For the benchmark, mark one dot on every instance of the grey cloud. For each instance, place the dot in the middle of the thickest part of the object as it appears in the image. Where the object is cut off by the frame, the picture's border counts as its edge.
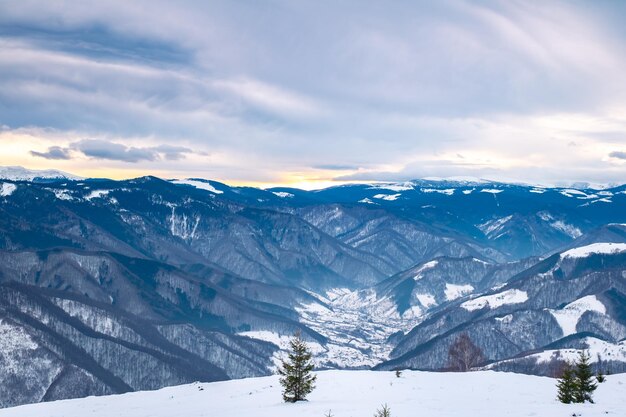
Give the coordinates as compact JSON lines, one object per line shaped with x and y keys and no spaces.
{"x":336,"y":167}
{"x":618,"y":154}
{"x":53,"y":152}
{"x":101,"y":149}
{"x":172,"y":153}
{"x":450,"y":61}
{"x":592,"y":171}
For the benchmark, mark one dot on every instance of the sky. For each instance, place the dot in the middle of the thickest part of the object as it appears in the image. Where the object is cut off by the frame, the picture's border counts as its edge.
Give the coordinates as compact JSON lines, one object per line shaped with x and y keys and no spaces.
{"x":315,"y":93}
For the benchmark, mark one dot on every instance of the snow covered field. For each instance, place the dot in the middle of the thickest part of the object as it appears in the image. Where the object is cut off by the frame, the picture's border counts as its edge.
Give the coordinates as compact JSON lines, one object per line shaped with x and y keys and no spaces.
{"x":349,"y":394}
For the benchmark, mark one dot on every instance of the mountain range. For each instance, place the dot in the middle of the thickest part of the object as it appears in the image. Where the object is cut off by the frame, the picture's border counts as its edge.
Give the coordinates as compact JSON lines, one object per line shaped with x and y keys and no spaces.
{"x":115,"y":286}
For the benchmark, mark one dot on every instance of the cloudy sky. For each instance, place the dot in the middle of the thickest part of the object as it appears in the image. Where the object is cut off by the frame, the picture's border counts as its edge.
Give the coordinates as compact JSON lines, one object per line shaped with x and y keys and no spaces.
{"x":314,"y":92}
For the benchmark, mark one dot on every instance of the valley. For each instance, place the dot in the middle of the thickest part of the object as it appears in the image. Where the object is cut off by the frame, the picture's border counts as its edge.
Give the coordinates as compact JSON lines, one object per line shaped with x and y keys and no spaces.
{"x":140,"y":284}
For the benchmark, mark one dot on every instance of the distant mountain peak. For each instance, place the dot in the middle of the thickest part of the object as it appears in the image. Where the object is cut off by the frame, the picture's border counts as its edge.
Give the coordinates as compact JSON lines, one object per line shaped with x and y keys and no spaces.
{"x":17,"y":173}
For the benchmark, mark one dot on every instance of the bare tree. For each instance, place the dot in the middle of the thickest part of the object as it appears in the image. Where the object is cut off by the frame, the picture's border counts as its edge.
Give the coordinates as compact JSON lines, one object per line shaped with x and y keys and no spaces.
{"x":463,"y":354}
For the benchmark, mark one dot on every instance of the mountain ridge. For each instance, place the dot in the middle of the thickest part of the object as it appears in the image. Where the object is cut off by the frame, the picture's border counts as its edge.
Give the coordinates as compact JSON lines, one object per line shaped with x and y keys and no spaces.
{"x":224,"y":275}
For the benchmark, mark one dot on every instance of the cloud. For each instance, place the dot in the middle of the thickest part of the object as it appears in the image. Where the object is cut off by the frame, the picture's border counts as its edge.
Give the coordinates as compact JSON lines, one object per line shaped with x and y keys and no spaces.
{"x":447,"y":88}
{"x":269,"y":97}
{"x":618,"y":154}
{"x":54,"y":153}
{"x":172,"y":153}
{"x":100,"y":149}
{"x":336,"y":167}
{"x":105,"y":150}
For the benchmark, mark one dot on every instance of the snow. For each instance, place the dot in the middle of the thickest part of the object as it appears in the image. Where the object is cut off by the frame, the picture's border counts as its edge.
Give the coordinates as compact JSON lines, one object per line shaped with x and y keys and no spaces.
{"x":6,"y":189}
{"x":424,"y":267}
{"x":16,"y":173}
{"x":427,"y":300}
{"x":349,"y":393}
{"x":388,"y":197}
{"x":267,"y":336}
{"x":606,"y":351}
{"x":182,"y":225}
{"x":453,"y":291}
{"x":96,"y":194}
{"x":403,"y":186}
{"x":537,"y":191}
{"x":458,"y":178}
{"x":61,"y":194}
{"x":467,"y":192}
{"x":13,"y":339}
{"x":495,"y":225}
{"x":448,"y":191}
{"x":505,"y":319}
{"x":568,"y":229}
{"x":595,"y":248}
{"x":512,"y":296}
{"x":366,"y":201}
{"x":491,"y":190}
{"x":571,"y":193}
{"x":568,"y":316}
{"x":378,"y":318}
{"x":560,"y":225}
{"x":282,"y":194}
{"x":202,"y":185}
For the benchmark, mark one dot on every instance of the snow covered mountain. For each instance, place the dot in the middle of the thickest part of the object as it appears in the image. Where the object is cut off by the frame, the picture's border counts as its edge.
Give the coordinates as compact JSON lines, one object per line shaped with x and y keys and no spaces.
{"x":16,"y":173}
{"x":115,"y":286}
{"x":570,"y":300}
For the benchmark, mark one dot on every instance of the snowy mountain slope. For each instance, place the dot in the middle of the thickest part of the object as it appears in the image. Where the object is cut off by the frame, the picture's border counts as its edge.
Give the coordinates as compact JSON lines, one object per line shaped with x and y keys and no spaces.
{"x":199,"y":264}
{"x":362,"y":326}
{"x":607,"y":357}
{"x":400,"y":241}
{"x":445,"y":279}
{"x":16,"y":173}
{"x":559,"y":298}
{"x":105,"y":323}
{"x":349,"y":393}
{"x":519,"y":220}
{"x":184,"y":225}
{"x":609,"y":233}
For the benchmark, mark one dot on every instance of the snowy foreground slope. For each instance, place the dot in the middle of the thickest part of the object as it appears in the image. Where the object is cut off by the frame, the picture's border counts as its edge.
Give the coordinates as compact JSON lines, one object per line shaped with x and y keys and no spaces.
{"x":349,"y":393}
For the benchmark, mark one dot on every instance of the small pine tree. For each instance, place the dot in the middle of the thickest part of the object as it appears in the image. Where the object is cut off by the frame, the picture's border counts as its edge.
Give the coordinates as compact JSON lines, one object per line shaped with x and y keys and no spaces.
{"x":600,"y":377}
{"x":398,"y":373}
{"x":329,"y":414}
{"x":385,"y":411}
{"x":296,"y":377}
{"x":567,"y":385}
{"x":585,"y":386}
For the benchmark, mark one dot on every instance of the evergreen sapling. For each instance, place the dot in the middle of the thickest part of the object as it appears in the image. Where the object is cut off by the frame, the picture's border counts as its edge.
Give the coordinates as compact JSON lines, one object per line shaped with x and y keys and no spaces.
{"x":567,"y":385}
{"x":296,"y":377}
{"x":585,"y":384}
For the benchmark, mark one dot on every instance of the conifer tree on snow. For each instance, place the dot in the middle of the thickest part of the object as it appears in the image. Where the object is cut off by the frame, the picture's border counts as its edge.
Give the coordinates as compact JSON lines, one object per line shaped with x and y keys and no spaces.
{"x":577,"y":384}
{"x":567,"y":385}
{"x":585,"y":384}
{"x":296,"y":377}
